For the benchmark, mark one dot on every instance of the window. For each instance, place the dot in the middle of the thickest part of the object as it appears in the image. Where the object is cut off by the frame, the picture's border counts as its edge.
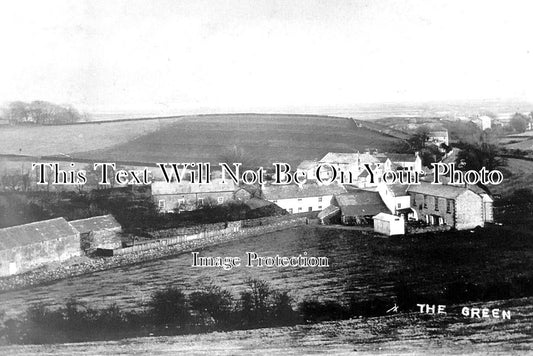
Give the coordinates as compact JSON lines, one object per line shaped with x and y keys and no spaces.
{"x":161,"y":204}
{"x":436,"y":204}
{"x":425,"y":201}
{"x":449,"y":203}
{"x":320,"y":207}
{"x":320,"y":199}
{"x":200,"y":201}
{"x":181,"y":201}
{"x":398,"y":206}
{"x":220,"y":200}
{"x":290,"y":210}
{"x":310,"y":209}
{"x":299,"y":199}
{"x":299,"y":209}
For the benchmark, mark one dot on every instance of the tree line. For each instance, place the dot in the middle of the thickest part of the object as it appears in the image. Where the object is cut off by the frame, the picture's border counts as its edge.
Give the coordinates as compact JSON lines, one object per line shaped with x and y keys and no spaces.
{"x":170,"y":311}
{"x":40,"y":113}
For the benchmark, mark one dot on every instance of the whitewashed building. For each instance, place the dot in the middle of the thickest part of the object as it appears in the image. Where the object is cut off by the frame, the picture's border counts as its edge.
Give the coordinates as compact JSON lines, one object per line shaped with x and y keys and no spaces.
{"x":389,"y":225}
{"x":298,"y":199}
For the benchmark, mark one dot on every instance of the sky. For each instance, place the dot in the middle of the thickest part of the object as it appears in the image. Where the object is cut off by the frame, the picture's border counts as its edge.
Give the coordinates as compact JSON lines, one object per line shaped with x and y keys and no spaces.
{"x":182,"y":56}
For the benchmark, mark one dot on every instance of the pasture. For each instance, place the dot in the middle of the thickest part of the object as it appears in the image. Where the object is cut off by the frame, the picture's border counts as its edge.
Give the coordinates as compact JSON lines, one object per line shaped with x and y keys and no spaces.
{"x":67,"y":139}
{"x":253,"y":138}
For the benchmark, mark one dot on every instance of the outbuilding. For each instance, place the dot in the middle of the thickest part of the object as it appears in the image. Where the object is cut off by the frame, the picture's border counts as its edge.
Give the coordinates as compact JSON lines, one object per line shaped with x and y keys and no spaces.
{"x":28,"y":246}
{"x":98,"y":232}
{"x":388,"y":224}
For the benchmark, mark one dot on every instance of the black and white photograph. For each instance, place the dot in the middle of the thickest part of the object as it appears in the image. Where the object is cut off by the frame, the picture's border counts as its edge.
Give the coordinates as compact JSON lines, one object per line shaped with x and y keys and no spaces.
{"x":261,"y":177}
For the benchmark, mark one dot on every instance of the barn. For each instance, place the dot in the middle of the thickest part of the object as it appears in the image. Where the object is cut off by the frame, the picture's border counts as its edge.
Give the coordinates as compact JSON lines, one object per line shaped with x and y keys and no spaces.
{"x":358,"y":207}
{"x":24,"y":247}
{"x":98,"y":232}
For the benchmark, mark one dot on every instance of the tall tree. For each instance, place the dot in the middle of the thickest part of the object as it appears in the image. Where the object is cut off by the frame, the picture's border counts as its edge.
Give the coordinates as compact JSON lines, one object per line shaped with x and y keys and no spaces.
{"x":519,"y":122}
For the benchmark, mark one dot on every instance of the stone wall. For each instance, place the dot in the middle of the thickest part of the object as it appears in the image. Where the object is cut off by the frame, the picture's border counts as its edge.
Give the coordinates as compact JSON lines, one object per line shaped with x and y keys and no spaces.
{"x":158,"y":250}
{"x":232,"y":228}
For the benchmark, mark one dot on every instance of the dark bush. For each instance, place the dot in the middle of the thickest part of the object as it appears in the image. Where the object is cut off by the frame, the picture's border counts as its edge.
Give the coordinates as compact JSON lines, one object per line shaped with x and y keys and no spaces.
{"x":214,"y":305}
{"x":169,"y":306}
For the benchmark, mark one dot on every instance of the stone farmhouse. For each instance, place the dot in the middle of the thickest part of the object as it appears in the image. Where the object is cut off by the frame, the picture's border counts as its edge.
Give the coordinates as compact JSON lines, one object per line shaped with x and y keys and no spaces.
{"x":353,"y":162}
{"x":458,"y":207}
{"x":439,"y":137}
{"x":309,"y":197}
{"x":175,"y":196}
{"x":405,"y":161}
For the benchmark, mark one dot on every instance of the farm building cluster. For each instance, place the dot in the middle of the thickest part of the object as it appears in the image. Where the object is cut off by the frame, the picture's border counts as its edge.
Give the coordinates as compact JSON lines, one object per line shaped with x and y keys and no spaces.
{"x":361,"y":202}
{"x":28,"y":246}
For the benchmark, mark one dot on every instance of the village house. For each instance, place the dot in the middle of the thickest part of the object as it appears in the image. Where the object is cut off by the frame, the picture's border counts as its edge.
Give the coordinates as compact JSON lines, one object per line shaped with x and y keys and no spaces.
{"x":406,"y":161}
{"x":173,"y":196}
{"x":484,"y":122}
{"x":349,"y":162}
{"x":437,"y":138}
{"x":458,"y":207}
{"x":31,"y":245}
{"x":396,"y":199}
{"x":359,"y":206}
{"x":98,"y":232}
{"x":298,"y":199}
{"x":309,"y":167}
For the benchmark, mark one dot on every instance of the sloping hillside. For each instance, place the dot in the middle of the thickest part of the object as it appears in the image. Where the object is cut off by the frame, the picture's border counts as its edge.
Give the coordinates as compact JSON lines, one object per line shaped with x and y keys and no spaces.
{"x":66,"y":139}
{"x":261,"y":139}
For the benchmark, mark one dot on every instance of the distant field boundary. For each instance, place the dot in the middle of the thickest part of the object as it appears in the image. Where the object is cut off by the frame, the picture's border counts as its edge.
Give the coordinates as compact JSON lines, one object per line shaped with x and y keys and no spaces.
{"x":173,"y":117}
{"x":73,"y":159}
{"x":382,"y":129}
{"x":517,"y":157}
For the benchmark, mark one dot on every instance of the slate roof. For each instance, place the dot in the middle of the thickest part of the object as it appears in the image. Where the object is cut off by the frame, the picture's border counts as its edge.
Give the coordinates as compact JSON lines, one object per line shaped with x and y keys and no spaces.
{"x":349,"y":158}
{"x":35,"y":232}
{"x":439,"y":190}
{"x":175,"y":188}
{"x":441,"y":133}
{"x":402,"y":157}
{"x":305,"y":165}
{"x":330,"y":210}
{"x":398,"y":190}
{"x":95,"y":223}
{"x":361,"y":203}
{"x":307,"y":190}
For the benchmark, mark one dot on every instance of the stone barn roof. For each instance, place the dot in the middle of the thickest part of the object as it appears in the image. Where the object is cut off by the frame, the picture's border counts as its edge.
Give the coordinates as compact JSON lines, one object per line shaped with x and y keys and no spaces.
{"x":35,"y":232}
{"x":96,"y":223}
{"x":361,"y":203}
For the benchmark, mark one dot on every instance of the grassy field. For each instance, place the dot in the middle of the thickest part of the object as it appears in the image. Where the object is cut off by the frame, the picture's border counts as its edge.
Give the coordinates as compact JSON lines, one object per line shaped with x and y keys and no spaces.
{"x":262,"y":139}
{"x":411,"y":333}
{"x":67,"y":139}
{"x":518,"y":174}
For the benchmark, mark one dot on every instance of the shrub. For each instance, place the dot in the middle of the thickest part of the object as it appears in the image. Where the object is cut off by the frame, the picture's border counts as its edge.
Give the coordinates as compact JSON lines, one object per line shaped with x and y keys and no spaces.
{"x":169,"y":306}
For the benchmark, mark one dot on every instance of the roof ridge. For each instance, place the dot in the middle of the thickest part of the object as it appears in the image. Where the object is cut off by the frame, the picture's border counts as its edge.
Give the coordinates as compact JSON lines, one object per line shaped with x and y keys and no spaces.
{"x":34,"y":222}
{"x":92,"y":217}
